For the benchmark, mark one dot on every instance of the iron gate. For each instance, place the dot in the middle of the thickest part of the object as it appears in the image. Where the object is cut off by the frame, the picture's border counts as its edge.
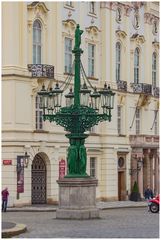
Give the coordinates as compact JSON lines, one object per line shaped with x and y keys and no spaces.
{"x":38,"y":180}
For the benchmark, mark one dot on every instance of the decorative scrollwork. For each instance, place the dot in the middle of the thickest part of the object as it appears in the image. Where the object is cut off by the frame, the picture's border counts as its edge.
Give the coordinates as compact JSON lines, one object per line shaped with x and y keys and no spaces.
{"x":41,"y":70}
{"x":77,"y":120}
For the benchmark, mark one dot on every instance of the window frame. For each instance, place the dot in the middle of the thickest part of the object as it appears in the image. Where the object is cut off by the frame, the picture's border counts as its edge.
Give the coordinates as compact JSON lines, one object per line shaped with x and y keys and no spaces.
{"x":156,"y":122}
{"x":137,"y":121}
{"x":93,"y":166}
{"x":119,"y":119}
{"x":37,"y":42}
{"x":118,"y":61}
{"x":92,"y":8}
{"x":38,"y":114}
{"x":136,"y":65}
{"x":154,"y":69}
{"x":68,"y":54}
{"x":118,"y":15}
{"x":91,"y":60}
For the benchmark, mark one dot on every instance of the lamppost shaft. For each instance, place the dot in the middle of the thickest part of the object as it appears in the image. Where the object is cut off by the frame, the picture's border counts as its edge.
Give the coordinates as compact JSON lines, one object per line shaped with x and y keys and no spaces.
{"x":77,"y":51}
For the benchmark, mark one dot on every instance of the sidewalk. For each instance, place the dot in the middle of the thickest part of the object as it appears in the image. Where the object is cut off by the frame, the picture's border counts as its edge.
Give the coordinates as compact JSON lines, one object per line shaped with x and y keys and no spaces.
{"x":100,"y":205}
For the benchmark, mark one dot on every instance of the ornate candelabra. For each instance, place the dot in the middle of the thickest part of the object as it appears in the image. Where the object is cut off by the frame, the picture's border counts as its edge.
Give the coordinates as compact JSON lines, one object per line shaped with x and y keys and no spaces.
{"x":77,"y":116}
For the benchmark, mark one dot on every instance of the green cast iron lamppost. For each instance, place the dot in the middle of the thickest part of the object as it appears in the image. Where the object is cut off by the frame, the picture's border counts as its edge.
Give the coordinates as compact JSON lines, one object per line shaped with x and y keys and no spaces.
{"x":77,"y":117}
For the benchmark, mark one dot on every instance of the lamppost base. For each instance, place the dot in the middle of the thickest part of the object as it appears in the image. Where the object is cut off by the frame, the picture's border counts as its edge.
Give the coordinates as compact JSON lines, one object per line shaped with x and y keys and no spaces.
{"x":77,"y":198}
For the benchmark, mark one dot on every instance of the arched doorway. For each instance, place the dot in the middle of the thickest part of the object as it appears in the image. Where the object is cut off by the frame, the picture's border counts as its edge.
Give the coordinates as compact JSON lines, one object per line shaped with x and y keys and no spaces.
{"x":38,"y":180}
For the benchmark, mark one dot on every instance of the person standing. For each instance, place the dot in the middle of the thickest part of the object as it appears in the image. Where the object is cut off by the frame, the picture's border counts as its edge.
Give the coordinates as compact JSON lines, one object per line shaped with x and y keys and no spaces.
{"x":148,"y":194}
{"x":5,"y":195}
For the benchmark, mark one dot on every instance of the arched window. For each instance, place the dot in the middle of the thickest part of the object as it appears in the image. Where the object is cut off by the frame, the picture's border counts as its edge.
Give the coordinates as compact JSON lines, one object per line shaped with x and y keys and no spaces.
{"x":136,"y":66}
{"x":154,"y":69}
{"x":118,"y":61}
{"x":36,"y":42}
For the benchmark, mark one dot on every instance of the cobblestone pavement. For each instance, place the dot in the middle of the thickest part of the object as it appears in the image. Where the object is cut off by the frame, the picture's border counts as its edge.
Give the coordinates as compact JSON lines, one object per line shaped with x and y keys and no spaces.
{"x":114,"y":223}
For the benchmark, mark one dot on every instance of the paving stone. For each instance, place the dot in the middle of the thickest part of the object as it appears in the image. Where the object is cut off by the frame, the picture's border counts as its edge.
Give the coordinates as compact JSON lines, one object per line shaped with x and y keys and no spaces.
{"x":114,"y":223}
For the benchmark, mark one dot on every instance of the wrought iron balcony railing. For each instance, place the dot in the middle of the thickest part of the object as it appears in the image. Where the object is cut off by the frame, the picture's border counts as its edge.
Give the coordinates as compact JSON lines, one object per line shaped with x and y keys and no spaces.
{"x":41,"y":70}
{"x":122,"y":85}
{"x":142,"y":88}
{"x":156,"y":92}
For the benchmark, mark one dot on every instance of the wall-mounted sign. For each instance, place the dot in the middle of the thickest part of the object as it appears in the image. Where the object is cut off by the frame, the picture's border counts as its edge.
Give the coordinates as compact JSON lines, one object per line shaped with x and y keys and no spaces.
{"x":20,"y":174}
{"x":61,"y":168}
{"x":7,"y":162}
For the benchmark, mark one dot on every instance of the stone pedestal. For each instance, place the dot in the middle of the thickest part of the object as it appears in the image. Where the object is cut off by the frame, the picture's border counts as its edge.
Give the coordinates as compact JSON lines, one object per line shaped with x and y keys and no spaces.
{"x":77,"y":198}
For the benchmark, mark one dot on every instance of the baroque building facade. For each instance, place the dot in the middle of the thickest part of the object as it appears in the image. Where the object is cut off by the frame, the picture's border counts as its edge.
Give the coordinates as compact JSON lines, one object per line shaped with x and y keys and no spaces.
{"x":121,"y":47}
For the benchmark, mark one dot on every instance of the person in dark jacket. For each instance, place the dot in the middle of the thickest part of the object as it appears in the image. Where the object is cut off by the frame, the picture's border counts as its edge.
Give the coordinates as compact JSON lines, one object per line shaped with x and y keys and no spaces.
{"x":5,"y":195}
{"x":148,"y":194}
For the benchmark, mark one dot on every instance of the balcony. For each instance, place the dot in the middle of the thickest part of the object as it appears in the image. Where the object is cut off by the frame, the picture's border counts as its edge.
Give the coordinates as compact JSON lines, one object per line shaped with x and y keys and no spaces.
{"x":142,"y":88}
{"x":156,"y":92}
{"x":144,"y":141}
{"x":41,"y":70}
{"x":122,"y":85}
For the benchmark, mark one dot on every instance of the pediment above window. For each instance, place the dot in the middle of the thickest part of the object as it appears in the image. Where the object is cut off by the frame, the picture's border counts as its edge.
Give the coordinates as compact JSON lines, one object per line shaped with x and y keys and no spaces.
{"x":93,"y":30}
{"x":37,"y":10}
{"x":69,"y":23}
{"x":38,"y":6}
{"x":139,"y":39}
{"x":121,"y":34}
{"x":155,"y":45}
{"x":69,"y":27}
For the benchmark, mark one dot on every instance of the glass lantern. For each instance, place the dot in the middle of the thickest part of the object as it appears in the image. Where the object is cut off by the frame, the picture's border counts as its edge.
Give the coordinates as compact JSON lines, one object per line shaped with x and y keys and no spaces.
{"x":95,"y":99}
{"x":69,"y":98}
{"x":107,"y":98}
{"x":26,"y":160}
{"x":57,"y":97}
{"x":50,"y":102}
{"x":84,"y":95}
{"x":43,"y":98}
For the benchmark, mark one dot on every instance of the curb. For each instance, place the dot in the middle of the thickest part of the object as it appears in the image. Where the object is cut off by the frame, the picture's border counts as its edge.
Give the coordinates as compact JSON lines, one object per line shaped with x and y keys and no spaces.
{"x":54,"y":209}
{"x":18,"y":229}
{"x":31,"y":210}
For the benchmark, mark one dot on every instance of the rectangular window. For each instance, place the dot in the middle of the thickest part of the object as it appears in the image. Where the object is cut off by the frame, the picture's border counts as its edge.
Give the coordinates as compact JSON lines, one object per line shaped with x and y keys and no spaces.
{"x":39,"y":114}
{"x":70,"y":4}
{"x":119,"y":119}
{"x":93,"y":167}
{"x":91,"y":60}
{"x":92,"y":7}
{"x":93,"y":129}
{"x":137,"y":121}
{"x":68,"y":55}
{"x":156,"y":122}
